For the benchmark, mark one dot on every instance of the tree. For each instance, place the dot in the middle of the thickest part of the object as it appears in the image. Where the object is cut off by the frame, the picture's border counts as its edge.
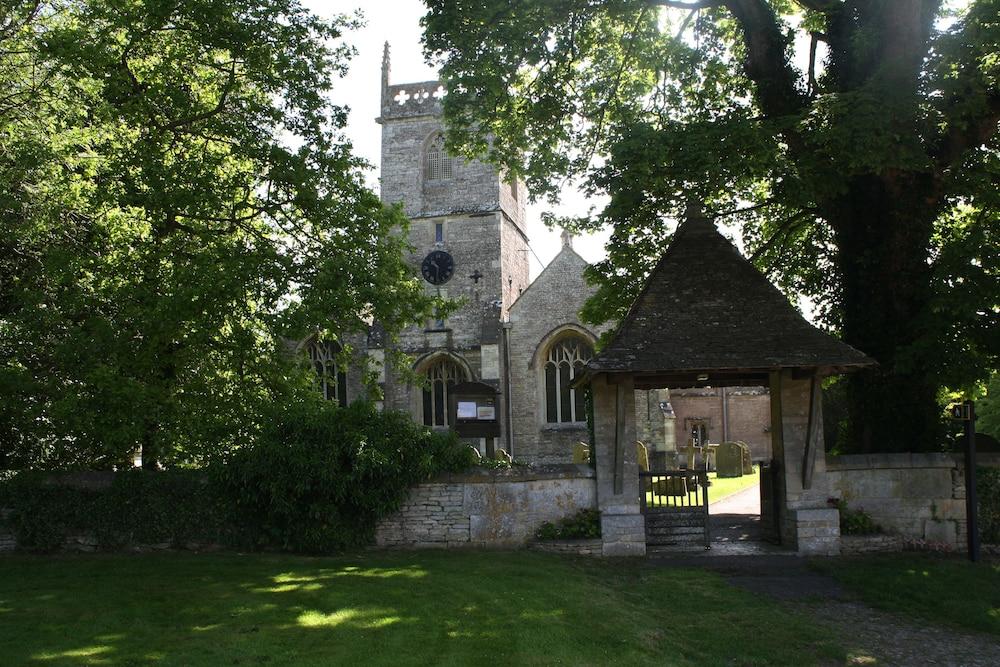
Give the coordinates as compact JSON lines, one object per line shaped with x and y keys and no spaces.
{"x":862,"y":174}
{"x":988,"y":408}
{"x":176,"y":199}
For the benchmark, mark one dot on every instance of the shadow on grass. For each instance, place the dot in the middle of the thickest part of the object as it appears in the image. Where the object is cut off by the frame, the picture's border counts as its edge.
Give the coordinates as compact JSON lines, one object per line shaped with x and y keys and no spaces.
{"x":945,"y":589}
{"x":382,"y":608}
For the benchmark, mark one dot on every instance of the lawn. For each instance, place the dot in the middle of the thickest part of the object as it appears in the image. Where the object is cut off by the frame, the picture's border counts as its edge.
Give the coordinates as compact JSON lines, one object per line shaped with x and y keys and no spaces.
{"x":945,"y":590}
{"x":387,"y":608}
{"x":720,"y":487}
{"x":723,"y":487}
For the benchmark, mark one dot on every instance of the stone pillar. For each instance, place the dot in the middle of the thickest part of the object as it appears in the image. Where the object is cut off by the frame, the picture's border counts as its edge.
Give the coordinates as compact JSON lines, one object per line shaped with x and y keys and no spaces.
{"x":623,"y":529}
{"x":807,"y":522}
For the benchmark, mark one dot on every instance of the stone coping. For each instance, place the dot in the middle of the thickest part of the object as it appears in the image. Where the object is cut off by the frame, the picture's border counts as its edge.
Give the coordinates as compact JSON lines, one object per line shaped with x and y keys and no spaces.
{"x":886,"y":461}
{"x":516,"y":474}
{"x":97,"y":480}
{"x":578,"y":547}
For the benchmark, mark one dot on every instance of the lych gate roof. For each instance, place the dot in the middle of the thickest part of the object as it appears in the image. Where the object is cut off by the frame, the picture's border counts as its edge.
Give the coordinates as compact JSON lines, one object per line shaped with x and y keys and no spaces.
{"x":706,"y":308}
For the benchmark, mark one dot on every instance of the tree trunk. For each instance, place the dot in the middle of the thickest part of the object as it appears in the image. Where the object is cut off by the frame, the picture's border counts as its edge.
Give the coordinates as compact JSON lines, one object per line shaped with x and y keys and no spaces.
{"x":883,"y":227}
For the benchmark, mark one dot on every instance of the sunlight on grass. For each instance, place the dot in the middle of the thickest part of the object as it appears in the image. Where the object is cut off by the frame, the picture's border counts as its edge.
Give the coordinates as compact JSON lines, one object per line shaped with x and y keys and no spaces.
{"x":357,"y":618}
{"x":86,"y":652}
{"x":206,"y":628}
{"x":723,"y":487}
{"x":208,"y":610}
{"x":536,"y":615}
{"x":411,"y":572}
{"x":287,"y":588}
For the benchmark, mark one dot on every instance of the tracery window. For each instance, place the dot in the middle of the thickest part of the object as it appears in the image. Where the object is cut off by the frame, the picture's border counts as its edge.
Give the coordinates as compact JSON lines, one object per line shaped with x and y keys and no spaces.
{"x":442,"y":376}
{"x":565,"y":359}
{"x":438,"y":164}
{"x":331,"y":379}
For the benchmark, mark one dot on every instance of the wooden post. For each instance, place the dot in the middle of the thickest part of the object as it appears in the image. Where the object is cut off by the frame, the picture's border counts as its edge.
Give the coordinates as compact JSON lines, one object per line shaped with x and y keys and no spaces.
{"x":620,"y":443}
{"x":971,"y":499}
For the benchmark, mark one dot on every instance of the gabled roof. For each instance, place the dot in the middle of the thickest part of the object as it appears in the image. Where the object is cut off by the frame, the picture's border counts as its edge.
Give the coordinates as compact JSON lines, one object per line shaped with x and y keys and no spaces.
{"x":706,"y":308}
{"x":567,"y":262}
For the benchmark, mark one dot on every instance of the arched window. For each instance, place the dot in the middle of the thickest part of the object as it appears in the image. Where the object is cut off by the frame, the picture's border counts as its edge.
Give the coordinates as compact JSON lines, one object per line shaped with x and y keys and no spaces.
{"x":332,"y":381}
{"x":565,"y":359}
{"x":438,"y":164}
{"x":442,"y":376}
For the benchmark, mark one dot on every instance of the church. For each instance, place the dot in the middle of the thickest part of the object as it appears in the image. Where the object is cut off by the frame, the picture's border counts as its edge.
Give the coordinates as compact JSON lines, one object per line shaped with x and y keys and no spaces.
{"x":522,"y":338}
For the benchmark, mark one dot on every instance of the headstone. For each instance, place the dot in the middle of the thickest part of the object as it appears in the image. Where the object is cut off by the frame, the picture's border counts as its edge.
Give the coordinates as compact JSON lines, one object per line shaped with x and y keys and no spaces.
{"x":502,"y":455}
{"x":642,"y":456}
{"x":670,"y":486}
{"x":476,"y":456}
{"x":581,"y":452}
{"x":729,"y":460}
{"x":747,"y":458}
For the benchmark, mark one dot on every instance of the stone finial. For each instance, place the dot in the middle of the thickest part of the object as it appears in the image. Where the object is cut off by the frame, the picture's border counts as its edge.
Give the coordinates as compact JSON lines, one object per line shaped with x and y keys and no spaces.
{"x":385,"y":67}
{"x":567,"y":238}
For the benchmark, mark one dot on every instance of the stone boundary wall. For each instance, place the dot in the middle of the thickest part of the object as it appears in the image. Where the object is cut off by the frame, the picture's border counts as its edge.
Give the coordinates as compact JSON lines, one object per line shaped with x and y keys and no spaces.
{"x":855,"y":545}
{"x":918,"y":496}
{"x":583,"y":547}
{"x":499,"y":509}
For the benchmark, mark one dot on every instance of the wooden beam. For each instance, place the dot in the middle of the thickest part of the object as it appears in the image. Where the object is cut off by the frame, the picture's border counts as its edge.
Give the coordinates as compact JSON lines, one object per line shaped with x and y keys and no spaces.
{"x":812,"y":435}
{"x":620,"y":444}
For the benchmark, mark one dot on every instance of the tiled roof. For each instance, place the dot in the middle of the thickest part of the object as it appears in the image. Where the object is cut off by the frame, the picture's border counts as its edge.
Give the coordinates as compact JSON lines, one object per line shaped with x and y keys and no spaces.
{"x":705,"y":307}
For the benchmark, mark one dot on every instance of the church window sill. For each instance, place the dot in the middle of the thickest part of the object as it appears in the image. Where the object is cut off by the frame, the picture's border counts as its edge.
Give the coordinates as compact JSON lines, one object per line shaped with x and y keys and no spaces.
{"x":565,"y":426}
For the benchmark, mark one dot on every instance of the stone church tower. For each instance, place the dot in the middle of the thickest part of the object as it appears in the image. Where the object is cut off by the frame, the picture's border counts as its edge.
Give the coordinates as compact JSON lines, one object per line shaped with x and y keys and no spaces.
{"x":467,"y":226}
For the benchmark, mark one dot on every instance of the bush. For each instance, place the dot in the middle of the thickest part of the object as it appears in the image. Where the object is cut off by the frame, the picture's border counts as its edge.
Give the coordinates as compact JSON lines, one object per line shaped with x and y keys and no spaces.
{"x":139,"y":507}
{"x":584,"y":524}
{"x":855,"y":522}
{"x":320,"y":477}
{"x":988,"y":492}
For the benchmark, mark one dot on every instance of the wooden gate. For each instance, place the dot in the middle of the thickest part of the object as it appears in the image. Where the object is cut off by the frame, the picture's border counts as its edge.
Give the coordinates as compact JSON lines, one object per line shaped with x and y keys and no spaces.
{"x":675,"y":505}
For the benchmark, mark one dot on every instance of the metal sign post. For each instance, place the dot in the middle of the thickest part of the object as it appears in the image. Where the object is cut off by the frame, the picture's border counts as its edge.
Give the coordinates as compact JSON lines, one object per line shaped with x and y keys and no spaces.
{"x":966,"y":412}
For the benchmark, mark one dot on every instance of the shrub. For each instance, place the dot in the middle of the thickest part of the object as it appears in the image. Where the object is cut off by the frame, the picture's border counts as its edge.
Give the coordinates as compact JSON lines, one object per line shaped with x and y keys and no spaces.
{"x":988,"y":492}
{"x":320,"y":477}
{"x":584,"y":524}
{"x":855,"y":522}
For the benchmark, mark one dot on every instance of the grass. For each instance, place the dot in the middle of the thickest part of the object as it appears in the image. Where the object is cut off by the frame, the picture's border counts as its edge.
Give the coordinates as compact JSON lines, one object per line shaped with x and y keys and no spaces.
{"x":387,"y":608}
{"x":723,"y":487}
{"x":946,"y":590}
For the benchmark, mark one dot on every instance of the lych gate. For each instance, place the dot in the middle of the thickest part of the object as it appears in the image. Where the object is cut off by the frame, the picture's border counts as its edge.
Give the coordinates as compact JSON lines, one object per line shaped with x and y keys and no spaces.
{"x":707,"y":318}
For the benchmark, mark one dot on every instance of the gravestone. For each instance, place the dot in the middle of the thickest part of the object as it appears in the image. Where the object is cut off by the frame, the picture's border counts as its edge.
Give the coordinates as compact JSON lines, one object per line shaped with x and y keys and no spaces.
{"x":581,"y":453}
{"x":729,"y":460}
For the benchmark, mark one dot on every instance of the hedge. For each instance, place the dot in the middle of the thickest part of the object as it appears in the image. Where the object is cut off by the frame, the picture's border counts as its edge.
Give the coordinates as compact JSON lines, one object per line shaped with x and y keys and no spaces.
{"x":317,"y":480}
{"x":988,"y":492}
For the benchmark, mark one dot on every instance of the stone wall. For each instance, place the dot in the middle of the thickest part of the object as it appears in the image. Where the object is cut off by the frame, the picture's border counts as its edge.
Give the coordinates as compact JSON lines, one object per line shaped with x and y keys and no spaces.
{"x":918,"y":496}
{"x":488,"y":508}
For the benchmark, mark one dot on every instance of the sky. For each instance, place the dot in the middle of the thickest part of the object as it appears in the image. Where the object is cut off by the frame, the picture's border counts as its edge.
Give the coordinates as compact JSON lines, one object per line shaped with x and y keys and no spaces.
{"x":398,"y":22}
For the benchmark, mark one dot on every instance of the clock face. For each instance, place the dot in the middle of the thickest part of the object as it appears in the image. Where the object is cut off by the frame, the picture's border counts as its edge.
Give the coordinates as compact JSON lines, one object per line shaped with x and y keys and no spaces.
{"x":437,"y":267}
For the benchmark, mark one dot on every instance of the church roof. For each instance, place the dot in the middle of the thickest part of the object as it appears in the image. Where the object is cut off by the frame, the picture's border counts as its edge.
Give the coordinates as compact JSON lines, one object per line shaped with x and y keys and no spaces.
{"x":706,"y":308}
{"x":567,"y":263}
